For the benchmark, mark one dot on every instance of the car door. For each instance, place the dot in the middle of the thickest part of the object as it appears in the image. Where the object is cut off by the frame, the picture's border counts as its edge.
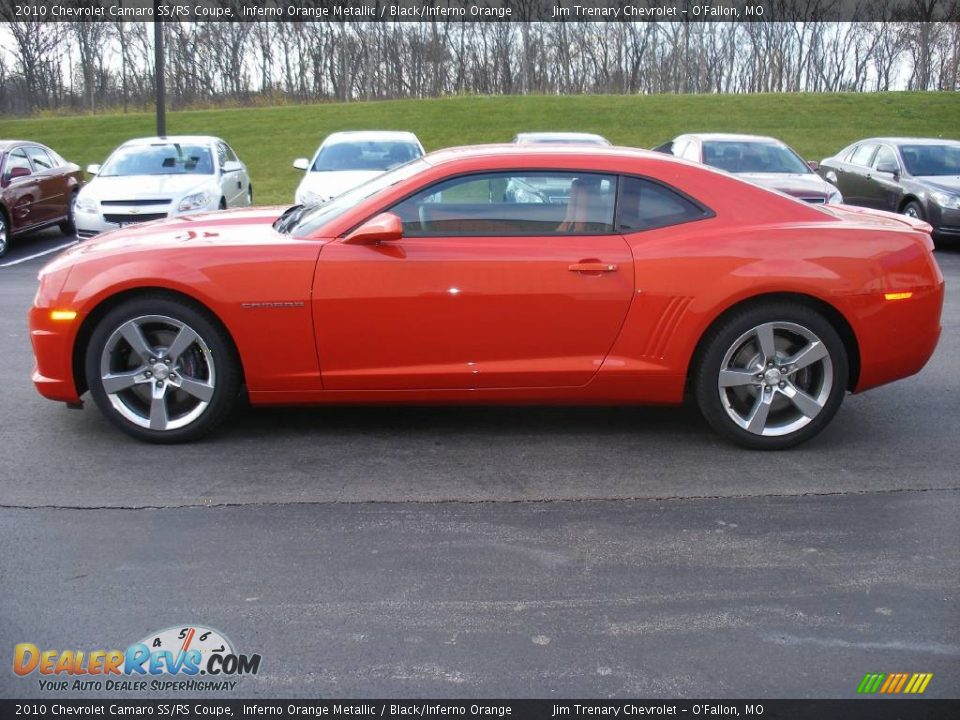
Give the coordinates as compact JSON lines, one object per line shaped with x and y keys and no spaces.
{"x":232,"y":184}
{"x":481,"y":291}
{"x":883,"y":186}
{"x":50,"y":205}
{"x":852,"y":174}
{"x":21,"y":193}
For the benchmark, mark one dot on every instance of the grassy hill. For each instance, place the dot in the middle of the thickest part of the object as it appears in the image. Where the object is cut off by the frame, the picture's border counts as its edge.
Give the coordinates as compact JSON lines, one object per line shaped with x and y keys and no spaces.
{"x":268,"y":139}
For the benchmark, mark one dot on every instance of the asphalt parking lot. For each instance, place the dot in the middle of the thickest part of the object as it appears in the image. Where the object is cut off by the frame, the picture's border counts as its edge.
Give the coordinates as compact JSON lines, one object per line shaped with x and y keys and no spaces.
{"x":492,"y":552}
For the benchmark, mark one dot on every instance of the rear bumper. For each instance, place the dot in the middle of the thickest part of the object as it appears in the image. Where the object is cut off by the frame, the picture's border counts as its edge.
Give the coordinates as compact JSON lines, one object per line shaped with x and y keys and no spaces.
{"x":897,"y":338}
{"x":53,"y":349}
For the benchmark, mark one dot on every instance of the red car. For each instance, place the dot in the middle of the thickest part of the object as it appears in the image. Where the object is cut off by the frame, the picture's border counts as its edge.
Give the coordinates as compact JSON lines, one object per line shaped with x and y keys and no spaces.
{"x":453,"y":279}
{"x":37,"y":189}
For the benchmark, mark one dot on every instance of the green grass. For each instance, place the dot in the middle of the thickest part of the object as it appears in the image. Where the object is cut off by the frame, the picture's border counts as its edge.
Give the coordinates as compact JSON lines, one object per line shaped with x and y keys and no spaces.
{"x":268,"y":139}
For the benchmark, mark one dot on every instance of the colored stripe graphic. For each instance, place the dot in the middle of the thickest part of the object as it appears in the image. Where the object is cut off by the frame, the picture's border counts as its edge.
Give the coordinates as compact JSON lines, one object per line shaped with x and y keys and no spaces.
{"x":894,"y":683}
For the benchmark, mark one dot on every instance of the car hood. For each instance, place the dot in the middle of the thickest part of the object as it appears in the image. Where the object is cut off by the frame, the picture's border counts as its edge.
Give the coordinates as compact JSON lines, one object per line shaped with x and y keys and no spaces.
{"x":135,"y":187}
{"x":947,"y":183}
{"x":330,"y":184}
{"x":801,"y":185}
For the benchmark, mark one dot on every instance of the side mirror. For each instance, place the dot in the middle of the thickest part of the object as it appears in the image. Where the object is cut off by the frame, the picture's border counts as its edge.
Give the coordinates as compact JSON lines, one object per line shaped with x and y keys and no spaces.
{"x":888,"y":167}
{"x":230,"y":166}
{"x":301,"y":164}
{"x":813,"y":165}
{"x":382,"y":228}
{"x":93,"y":169}
{"x":18,"y":172}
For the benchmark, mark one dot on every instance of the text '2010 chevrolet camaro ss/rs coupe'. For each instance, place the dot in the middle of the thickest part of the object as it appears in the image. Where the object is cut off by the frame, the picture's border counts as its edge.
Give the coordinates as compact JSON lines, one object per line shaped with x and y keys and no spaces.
{"x":499,"y":274}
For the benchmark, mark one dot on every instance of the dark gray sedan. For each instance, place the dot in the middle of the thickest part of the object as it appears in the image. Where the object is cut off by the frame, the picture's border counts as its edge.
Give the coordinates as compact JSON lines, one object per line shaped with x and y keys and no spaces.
{"x":919,"y":177}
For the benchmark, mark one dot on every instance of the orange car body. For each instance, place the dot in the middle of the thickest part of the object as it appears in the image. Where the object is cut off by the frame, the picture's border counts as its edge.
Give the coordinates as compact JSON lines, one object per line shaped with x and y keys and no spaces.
{"x":319,"y":319}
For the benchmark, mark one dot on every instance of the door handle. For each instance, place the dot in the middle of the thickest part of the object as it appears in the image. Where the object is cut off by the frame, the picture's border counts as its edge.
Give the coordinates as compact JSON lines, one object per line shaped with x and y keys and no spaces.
{"x":592,"y":267}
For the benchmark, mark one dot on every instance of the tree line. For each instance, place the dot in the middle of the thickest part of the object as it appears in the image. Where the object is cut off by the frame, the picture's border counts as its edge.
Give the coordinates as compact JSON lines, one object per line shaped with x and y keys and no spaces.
{"x":100,"y":66}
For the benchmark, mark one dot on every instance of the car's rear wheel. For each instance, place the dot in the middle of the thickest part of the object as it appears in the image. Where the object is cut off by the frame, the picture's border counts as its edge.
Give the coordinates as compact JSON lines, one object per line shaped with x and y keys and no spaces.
{"x":4,"y":235}
{"x":772,"y":376}
{"x":914,"y":210}
{"x":162,"y":370}
{"x":69,"y":225}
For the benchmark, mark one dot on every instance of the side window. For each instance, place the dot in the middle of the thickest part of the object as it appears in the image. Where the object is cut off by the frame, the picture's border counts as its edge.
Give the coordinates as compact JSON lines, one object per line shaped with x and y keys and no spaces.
{"x":645,"y":205}
{"x":221,"y":154}
{"x":231,"y":155}
{"x":863,"y":153}
{"x":885,"y":157}
{"x":520,"y":203}
{"x":17,"y":159}
{"x":41,"y":160}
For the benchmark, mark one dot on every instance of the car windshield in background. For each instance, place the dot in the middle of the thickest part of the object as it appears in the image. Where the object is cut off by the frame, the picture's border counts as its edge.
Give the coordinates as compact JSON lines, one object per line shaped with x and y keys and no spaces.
{"x":931,"y":159}
{"x":750,"y":157}
{"x":369,"y":155}
{"x":160,"y":159}
{"x":323,"y":213}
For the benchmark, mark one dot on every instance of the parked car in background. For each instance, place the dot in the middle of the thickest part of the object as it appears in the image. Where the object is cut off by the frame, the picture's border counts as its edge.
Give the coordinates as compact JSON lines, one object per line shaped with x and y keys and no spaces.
{"x":560,"y":138}
{"x":347,"y":159}
{"x":919,"y":177}
{"x":37,"y":189}
{"x":764,"y":161}
{"x":159,"y":177}
{"x":655,"y":280}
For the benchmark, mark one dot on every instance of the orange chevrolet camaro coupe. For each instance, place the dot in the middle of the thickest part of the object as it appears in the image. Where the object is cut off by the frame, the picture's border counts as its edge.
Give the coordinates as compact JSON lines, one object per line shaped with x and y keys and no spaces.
{"x":498,"y":274}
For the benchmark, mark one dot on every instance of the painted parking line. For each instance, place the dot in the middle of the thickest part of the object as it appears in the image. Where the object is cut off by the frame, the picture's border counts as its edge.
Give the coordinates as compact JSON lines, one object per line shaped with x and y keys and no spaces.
{"x":39,"y":254}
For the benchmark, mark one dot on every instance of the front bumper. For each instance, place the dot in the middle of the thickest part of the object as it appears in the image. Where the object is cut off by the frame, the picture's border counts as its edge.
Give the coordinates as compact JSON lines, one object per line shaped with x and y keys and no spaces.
{"x":52,"y":342}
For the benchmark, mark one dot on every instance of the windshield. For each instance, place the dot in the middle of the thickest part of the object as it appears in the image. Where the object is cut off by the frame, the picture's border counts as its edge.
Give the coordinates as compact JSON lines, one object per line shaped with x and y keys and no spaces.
{"x":928,"y":160}
{"x":316,"y":216}
{"x":753,"y":157}
{"x":159,"y":159}
{"x":365,"y":155}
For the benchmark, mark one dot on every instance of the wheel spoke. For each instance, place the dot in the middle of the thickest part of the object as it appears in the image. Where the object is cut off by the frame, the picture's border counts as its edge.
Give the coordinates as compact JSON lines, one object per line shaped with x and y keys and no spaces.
{"x":802,"y":401}
{"x":184,"y":339}
{"x":138,"y":343}
{"x":807,"y":356}
{"x":765,"y":340}
{"x":197,"y":388}
{"x":158,"y":408}
{"x":757,"y":419}
{"x":732,"y":377}
{"x":116,"y":382}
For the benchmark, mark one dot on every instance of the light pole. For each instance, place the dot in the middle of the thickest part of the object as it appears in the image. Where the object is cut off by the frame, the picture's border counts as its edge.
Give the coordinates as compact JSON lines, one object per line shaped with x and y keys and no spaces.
{"x":158,"y":56}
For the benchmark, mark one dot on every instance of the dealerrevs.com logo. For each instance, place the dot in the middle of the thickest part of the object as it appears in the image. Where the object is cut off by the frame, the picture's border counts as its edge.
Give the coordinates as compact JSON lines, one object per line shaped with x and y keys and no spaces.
{"x":188,"y":658}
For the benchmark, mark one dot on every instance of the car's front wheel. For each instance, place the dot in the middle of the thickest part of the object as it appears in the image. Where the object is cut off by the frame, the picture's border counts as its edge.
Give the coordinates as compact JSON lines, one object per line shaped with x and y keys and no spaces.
{"x":162,"y":370}
{"x":914,"y":210}
{"x":771,"y":376}
{"x":4,"y":235}
{"x":69,"y":225}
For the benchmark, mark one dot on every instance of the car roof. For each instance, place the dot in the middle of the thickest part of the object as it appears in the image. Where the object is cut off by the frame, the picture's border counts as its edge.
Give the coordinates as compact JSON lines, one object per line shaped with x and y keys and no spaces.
{"x":370,"y":136}
{"x":7,"y":144}
{"x":464,"y":152}
{"x":733,"y":137}
{"x":182,"y":139}
{"x":559,"y":136}
{"x":909,"y":140}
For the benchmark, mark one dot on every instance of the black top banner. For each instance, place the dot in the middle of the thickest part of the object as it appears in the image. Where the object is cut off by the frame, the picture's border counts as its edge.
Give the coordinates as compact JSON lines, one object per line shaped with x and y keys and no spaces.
{"x":481,"y":10}
{"x":866,"y":709}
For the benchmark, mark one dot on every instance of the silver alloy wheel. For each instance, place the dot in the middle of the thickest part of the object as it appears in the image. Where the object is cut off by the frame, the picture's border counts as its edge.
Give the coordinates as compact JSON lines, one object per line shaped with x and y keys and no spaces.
{"x":3,"y":235}
{"x":775,"y":379}
{"x":157,"y":372}
{"x":911,"y":211}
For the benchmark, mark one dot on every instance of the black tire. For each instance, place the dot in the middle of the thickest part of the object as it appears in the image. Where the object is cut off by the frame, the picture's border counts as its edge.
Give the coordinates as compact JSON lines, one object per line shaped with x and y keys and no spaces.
{"x":250,"y":194}
{"x":69,"y":226}
{"x":208,"y":363}
{"x":223,"y":203}
{"x":913,"y":209}
{"x":4,"y":234}
{"x":732,"y":378}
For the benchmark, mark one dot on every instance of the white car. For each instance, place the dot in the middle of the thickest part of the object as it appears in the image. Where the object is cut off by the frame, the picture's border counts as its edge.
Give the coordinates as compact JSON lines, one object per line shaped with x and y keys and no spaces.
{"x":560,"y":138}
{"x":159,"y":177}
{"x":347,"y":159}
